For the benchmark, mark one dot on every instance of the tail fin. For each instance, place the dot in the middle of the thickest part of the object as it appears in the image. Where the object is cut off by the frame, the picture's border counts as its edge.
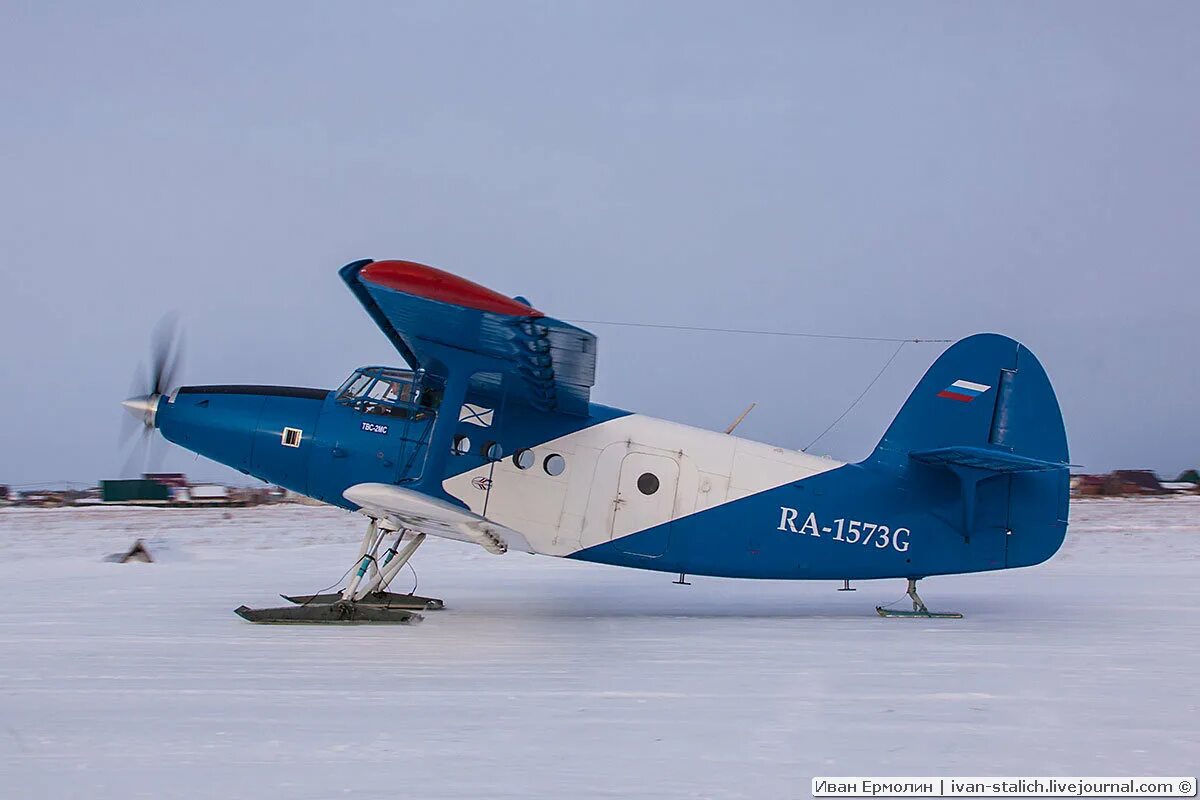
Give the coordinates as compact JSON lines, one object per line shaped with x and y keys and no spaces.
{"x":986,"y":391}
{"x":984,"y":410}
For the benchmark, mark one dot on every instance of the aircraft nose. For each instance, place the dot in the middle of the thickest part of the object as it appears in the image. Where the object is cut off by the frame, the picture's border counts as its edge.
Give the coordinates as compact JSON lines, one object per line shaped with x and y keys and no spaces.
{"x":144,"y":408}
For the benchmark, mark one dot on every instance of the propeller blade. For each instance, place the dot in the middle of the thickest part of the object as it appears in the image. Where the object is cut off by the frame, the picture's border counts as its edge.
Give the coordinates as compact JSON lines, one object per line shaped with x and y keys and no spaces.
{"x":170,"y":377}
{"x":166,"y":359}
{"x":135,"y":462}
{"x":156,"y":451}
{"x":164,"y":354}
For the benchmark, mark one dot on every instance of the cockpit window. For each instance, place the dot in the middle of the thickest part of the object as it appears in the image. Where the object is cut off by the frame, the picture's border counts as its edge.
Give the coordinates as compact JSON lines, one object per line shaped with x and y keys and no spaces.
{"x":391,"y":392}
{"x":382,"y":390}
{"x":355,"y":385}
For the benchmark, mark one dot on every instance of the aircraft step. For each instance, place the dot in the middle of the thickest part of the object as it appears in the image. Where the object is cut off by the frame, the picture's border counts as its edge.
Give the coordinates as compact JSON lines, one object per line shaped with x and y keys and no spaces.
{"x":327,"y":613}
{"x":384,"y":599}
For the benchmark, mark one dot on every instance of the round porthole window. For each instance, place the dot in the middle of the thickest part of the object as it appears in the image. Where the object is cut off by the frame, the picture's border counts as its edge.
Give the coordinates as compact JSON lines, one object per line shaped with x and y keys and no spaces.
{"x":523,"y":459}
{"x":493,"y":451}
{"x":461,"y":445}
{"x":554,"y":464}
{"x":647,"y":483}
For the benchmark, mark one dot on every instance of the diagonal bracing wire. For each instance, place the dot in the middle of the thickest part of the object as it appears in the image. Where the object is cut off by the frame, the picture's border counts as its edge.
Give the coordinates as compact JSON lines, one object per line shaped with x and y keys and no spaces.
{"x":863,"y":394}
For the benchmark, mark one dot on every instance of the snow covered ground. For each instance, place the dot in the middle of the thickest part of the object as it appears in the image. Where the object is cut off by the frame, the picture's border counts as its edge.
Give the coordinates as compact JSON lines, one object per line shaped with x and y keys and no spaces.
{"x":548,"y":678}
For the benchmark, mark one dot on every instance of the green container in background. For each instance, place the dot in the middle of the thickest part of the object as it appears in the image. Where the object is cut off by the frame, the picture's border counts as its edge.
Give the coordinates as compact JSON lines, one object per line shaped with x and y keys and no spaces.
{"x":126,"y":491}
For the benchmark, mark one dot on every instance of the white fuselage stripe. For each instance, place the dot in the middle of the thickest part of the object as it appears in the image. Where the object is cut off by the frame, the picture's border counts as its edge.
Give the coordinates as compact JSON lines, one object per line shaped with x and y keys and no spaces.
{"x":622,"y":476}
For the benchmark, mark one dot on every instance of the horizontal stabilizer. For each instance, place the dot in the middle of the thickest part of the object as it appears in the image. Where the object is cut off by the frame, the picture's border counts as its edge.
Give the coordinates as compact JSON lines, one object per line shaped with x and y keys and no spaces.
{"x":984,"y":458}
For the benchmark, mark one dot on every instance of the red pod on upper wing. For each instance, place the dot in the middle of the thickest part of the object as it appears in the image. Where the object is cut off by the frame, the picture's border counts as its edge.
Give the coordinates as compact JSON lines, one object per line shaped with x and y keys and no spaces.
{"x":431,"y":283}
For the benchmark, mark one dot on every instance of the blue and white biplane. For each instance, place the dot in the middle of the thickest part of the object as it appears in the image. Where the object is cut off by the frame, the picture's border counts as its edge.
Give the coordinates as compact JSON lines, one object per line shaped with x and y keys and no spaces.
{"x":490,"y":436}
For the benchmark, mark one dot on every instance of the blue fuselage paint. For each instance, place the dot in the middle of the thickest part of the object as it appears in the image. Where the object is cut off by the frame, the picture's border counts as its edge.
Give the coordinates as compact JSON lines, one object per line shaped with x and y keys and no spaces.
{"x":913,"y":519}
{"x":933,"y":498}
{"x":340,"y":446}
{"x":760,"y":536}
{"x":953,"y":518}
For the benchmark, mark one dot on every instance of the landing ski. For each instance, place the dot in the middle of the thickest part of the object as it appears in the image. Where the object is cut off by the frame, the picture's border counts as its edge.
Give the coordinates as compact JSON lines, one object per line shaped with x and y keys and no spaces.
{"x":891,"y":612}
{"x":329,"y":613}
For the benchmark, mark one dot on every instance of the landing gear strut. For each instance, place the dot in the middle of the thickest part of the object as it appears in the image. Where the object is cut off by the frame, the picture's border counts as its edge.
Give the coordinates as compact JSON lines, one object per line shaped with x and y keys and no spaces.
{"x":365,"y":598}
{"x":919,"y":608}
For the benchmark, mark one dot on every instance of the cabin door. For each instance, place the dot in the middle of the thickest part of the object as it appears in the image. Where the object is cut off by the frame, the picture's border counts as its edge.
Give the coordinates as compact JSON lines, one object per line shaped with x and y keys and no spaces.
{"x":645,"y":503}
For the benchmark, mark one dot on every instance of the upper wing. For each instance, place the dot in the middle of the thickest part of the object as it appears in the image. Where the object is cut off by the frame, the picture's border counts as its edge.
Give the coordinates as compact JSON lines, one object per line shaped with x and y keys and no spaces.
{"x":427,"y":313}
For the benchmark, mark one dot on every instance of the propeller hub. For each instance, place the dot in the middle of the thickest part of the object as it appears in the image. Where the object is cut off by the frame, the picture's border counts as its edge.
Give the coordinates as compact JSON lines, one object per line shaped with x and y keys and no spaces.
{"x":144,"y":408}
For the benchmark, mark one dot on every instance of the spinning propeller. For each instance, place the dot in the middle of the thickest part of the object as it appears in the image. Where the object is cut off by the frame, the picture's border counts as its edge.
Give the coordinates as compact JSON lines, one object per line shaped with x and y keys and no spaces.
{"x":166,"y":357}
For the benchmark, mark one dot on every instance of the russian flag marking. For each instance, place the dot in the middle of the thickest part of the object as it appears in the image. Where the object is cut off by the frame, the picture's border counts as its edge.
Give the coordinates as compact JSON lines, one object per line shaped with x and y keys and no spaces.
{"x":963,"y":391}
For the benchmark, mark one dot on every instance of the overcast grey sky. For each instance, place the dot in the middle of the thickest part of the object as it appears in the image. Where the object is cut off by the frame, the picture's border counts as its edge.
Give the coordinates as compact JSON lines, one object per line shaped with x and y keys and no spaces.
{"x":891,"y":169}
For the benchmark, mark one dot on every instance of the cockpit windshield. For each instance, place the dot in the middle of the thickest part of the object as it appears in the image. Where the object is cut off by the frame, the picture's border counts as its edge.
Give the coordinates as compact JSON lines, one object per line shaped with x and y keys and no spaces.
{"x":391,"y":392}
